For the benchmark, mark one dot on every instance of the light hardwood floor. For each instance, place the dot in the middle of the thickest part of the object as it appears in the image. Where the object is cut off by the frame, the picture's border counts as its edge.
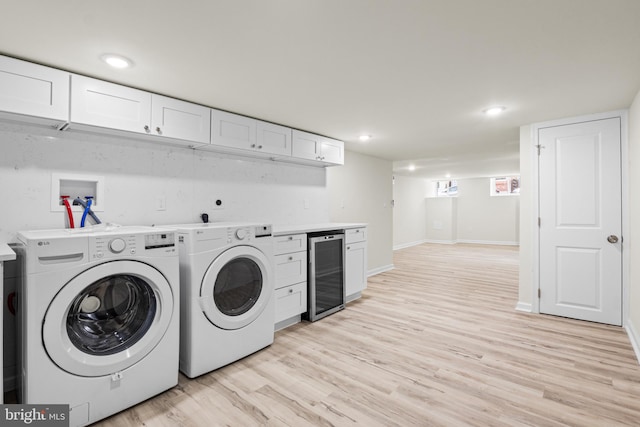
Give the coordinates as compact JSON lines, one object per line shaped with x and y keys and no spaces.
{"x":434,"y":342}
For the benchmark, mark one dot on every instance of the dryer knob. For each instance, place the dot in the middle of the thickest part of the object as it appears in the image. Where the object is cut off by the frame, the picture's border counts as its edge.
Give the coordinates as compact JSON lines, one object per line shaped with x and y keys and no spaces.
{"x":241,"y":233}
{"x":117,"y":245}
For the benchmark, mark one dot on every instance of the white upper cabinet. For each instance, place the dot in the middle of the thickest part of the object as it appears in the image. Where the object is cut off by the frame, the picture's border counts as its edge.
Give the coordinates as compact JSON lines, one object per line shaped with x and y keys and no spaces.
{"x":232,"y":130}
{"x":121,"y":108}
{"x":37,"y":94}
{"x":33,"y":93}
{"x":273,"y":139}
{"x":173,"y":118}
{"x":108,"y":105}
{"x":317,"y":148}
{"x":252,"y":136}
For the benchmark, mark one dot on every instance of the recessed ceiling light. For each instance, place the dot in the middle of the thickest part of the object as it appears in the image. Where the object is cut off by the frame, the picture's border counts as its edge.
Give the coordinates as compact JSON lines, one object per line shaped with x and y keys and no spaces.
{"x":116,"y":61}
{"x":364,"y":138}
{"x":494,"y":111}
{"x":412,"y":168}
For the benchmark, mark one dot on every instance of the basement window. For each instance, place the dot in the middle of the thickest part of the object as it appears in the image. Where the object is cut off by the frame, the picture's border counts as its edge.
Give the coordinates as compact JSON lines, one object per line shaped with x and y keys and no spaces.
{"x":505,"y":186}
{"x":447,"y":188}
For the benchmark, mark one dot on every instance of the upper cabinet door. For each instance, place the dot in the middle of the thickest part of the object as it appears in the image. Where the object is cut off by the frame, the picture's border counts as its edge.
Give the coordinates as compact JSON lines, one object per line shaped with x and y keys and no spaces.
{"x":38,"y":92}
{"x":232,"y":130}
{"x":306,"y":145}
{"x":317,"y":148}
{"x":98,"y":103}
{"x":273,"y":139}
{"x":332,"y":151}
{"x":173,"y":118}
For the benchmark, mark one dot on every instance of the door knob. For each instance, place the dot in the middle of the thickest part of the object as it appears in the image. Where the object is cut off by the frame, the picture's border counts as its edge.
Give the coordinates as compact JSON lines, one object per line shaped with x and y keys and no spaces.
{"x":612,"y":239}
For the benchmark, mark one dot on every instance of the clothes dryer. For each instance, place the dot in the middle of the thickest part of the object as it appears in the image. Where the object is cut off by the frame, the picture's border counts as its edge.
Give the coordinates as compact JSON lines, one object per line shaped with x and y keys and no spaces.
{"x":227,"y":305}
{"x":98,"y":318}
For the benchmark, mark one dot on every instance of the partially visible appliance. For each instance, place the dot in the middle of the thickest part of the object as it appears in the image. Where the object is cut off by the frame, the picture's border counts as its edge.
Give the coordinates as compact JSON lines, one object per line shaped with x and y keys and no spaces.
{"x":98,"y":318}
{"x":326,"y":293}
{"x":227,"y":306}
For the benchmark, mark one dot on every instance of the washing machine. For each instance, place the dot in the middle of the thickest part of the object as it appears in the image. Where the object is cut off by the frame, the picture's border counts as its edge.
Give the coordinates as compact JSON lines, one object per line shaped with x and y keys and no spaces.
{"x":226,"y":285}
{"x":98,"y":318}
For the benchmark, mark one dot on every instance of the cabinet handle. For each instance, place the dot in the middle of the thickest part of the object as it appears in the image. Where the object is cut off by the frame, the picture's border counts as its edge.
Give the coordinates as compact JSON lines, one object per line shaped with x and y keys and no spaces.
{"x":290,"y":237}
{"x":147,"y":129}
{"x":253,"y":145}
{"x":259,"y":147}
{"x":290,"y":258}
{"x":290,"y":291}
{"x":159,"y":130}
{"x":348,"y":247}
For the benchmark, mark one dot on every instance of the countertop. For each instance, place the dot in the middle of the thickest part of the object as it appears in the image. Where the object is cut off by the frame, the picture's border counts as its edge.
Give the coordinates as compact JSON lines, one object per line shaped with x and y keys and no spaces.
{"x":6,"y":253}
{"x":280,"y":230}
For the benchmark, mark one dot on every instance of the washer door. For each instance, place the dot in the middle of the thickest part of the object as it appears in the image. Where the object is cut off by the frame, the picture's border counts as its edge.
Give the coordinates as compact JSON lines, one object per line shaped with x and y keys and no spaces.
{"x":107,"y":318}
{"x":236,"y":287}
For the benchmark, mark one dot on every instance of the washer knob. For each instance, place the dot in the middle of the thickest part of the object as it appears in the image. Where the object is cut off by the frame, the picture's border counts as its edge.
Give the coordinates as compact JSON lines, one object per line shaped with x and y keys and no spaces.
{"x":117,"y":245}
{"x":241,"y":233}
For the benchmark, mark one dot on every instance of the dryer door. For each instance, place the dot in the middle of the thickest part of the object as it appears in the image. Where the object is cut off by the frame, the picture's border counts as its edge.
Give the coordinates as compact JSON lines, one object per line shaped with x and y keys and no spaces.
{"x":108,"y":318}
{"x":236,"y":287}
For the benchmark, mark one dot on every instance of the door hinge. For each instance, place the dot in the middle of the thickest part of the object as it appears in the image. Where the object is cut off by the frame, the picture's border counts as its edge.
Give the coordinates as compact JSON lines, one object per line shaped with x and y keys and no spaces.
{"x":539,"y":222}
{"x":539,"y":293}
{"x":539,"y":147}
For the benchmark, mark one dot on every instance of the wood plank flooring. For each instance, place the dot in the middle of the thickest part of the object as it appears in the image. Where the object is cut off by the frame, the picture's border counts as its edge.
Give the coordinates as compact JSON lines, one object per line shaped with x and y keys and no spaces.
{"x":435,"y":342}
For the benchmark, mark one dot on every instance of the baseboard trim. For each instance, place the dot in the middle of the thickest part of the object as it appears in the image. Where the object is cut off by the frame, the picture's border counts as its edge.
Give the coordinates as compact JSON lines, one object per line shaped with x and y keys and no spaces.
{"x":442,"y":242}
{"x":632,"y":332}
{"x":523,"y":306}
{"x":408,"y":245}
{"x":489,"y":242}
{"x":380,"y":270}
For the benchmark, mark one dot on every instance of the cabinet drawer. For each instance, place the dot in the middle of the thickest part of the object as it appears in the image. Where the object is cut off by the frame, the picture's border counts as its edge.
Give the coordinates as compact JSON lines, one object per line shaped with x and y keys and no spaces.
{"x":291,"y":243}
{"x":355,"y":235}
{"x":291,"y":301}
{"x":290,"y":268}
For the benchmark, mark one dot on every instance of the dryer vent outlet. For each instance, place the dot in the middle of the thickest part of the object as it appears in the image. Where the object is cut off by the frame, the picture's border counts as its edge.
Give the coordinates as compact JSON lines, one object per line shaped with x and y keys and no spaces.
{"x":218,"y":204}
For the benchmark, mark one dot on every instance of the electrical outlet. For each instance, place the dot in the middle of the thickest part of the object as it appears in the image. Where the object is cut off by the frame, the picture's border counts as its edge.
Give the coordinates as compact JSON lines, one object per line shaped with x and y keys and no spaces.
{"x":218,"y":204}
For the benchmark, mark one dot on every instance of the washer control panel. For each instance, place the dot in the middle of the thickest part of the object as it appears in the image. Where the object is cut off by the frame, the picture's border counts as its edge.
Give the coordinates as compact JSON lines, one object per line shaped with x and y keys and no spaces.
{"x":113,"y":246}
{"x":107,"y":246}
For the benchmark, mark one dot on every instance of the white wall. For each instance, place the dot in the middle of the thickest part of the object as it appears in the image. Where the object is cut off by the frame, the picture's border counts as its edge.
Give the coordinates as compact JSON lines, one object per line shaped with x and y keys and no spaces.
{"x":482,"y":218}
{"x":527,"y":215}
{"x":631,"y":243}
{"x":361,"y":191}
{"x":137,"y":173}
{"x":441,"y":219}
{"x":473,"y":216}
{"x":409,"y":211}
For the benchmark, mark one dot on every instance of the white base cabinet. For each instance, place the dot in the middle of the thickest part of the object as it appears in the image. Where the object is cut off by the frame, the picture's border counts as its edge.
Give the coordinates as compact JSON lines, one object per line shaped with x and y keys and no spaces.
{"x":355,"y":262}
{"x":33,"y":93}
{"x":290,"y":263}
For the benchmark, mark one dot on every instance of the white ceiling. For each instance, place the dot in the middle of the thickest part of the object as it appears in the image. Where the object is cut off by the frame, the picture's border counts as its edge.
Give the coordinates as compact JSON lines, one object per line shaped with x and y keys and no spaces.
{"x":414,"y":74}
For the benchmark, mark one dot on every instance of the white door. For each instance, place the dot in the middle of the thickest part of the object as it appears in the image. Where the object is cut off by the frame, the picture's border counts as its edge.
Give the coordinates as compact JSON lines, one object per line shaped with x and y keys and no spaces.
{"x":580,"y":221}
